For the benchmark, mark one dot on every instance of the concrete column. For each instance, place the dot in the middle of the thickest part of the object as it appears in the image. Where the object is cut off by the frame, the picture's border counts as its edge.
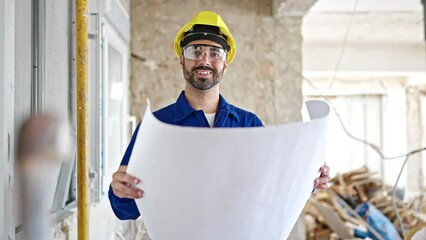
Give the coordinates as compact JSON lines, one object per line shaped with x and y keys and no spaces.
{"x":288,"y":70}
{"x":415,"y":173}
{"x":288,"y":58}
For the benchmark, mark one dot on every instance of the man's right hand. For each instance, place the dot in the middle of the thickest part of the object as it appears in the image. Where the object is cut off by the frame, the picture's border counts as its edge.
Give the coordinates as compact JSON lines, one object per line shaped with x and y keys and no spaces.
{"x":124,"y":185}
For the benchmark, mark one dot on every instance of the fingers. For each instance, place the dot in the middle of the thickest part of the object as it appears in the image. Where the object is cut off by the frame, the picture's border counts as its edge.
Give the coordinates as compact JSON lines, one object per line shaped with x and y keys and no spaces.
{"x":126,"y":191}
{"x":125,"y":178}
{"x":325,"y":170}
{"x":324,"y":179}
{"x":321,"y":182}
{"x":322,"y":186}
{"x":124,"y":185}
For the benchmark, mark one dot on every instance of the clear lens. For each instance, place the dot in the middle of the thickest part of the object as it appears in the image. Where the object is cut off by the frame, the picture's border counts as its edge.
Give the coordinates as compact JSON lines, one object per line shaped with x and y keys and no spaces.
{"x":196,"y":52}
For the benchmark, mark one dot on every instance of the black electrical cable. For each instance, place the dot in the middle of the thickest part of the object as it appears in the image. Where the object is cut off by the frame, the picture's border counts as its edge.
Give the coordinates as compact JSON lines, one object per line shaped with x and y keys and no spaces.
{"x":400,"y":223}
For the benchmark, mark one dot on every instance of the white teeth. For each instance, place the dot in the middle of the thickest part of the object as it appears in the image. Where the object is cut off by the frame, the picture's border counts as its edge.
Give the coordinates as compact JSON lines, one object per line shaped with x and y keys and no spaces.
{"x":203,"y":72}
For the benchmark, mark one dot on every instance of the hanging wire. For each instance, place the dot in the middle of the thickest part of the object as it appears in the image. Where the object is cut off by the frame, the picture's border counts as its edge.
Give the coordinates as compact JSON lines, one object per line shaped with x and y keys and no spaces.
{"x":401,"y":225}
{"x":342,"y":50}
{"x":352,"y":136}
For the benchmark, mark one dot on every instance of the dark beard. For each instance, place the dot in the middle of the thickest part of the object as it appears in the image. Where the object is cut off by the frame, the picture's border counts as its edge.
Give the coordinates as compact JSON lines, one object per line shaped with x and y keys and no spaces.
{"x":201,"y":83}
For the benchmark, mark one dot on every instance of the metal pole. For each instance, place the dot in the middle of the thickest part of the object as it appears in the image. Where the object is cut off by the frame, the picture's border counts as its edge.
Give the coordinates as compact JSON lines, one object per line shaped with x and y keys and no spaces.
{"x":82,"y":120}
{"x":424,"y":19}
{"x":35,"y":57}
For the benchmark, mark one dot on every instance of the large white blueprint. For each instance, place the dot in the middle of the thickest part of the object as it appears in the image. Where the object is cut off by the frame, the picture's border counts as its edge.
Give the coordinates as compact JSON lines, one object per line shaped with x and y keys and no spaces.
{"x":227,"y":183}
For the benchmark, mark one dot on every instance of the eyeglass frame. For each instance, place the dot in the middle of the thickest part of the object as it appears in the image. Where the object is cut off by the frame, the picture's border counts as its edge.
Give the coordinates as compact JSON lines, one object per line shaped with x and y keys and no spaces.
{"x":205,"y":51}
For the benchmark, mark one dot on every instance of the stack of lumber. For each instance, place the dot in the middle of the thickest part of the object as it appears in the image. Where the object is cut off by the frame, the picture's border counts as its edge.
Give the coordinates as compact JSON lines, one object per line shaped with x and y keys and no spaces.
{"x":330,"y":214}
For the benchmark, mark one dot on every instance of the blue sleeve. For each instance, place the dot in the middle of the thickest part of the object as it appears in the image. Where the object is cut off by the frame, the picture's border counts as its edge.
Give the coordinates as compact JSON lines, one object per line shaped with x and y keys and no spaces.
{"x":257,"y":122}
{"x":126,"y":157}
{"x":125,"y":208}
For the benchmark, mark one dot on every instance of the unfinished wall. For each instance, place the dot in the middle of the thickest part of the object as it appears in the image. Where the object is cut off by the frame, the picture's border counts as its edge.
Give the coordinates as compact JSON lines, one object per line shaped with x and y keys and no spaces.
{"x":265,"y":76}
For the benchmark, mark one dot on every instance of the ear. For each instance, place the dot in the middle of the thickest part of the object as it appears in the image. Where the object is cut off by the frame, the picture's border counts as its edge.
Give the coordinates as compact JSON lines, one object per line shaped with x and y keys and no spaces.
{"x":225,"y":66}
{"x":181,"y":59}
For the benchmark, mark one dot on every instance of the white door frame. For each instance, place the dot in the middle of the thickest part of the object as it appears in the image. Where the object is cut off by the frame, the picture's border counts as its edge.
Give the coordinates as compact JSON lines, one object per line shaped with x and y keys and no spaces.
{"x":7,"y":59}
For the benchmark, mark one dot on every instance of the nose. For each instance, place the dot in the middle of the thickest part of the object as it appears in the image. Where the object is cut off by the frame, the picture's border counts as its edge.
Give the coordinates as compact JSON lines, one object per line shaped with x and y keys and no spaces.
{"x":205,"y":58}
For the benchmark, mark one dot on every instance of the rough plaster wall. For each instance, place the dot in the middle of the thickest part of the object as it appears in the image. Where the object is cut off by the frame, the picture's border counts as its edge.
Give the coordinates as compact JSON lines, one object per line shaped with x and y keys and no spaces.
{"x":265,"y":76}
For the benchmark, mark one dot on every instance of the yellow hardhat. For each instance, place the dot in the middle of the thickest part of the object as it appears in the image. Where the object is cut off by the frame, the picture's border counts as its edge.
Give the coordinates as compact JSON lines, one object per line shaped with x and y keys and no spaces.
{"x":196,"y":29}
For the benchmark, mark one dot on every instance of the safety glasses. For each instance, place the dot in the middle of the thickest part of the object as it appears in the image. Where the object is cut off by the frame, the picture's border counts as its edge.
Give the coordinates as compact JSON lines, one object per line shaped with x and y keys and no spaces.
{"x":196,"y":52}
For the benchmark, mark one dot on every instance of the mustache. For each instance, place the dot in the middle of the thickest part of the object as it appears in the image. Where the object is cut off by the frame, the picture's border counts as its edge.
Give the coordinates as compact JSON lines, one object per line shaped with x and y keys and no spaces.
{"x":203,"y":68}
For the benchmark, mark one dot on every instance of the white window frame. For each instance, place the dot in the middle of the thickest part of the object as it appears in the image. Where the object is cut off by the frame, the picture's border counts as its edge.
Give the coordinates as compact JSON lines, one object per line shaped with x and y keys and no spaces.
{"x":95,"y":85}
{"x":112,"y":37}
{"x":109,"y":24}
{"x":112,"y":27}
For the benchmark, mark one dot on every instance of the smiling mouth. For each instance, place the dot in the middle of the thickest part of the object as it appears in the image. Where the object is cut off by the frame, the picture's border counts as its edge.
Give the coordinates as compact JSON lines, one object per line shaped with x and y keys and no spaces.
{"x":203,"y":72}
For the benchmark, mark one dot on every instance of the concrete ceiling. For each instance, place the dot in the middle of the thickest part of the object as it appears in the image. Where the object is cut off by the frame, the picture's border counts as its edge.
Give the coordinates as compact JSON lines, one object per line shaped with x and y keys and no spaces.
{"x":363,"y":27}
{"x":364,"y":21}
{"x":379,"y":34}
{"x":340,"y":6}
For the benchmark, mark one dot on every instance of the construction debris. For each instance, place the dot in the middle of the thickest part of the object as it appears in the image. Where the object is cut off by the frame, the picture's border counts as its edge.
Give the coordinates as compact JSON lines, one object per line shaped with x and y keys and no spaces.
{"x":358,"y":205}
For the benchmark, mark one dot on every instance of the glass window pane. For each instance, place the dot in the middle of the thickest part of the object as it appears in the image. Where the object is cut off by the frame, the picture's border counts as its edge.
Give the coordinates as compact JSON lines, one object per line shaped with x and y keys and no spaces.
{"x":114,"y":117}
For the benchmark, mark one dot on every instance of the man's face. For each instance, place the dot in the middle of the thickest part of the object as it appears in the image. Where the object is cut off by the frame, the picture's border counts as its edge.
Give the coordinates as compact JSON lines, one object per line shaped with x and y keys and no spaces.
{"x":207,"y":71}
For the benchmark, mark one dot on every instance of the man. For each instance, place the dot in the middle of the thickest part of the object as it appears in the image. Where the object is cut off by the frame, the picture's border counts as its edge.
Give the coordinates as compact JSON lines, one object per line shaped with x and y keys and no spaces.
{"x":205,"y":48}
